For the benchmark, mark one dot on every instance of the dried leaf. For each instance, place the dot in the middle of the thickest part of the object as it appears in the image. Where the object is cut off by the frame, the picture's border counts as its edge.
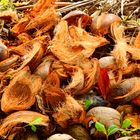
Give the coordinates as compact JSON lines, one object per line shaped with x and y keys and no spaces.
{"x":133,"y":54}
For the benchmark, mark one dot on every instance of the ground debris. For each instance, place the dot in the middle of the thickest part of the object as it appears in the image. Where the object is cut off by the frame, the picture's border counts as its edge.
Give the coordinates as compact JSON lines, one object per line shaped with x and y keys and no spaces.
{"x":60,"y":62}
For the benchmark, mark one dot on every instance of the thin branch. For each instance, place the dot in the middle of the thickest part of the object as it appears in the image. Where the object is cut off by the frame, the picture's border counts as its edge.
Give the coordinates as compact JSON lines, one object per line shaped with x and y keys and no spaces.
{"x":58,"y":4}
{"x":134,"y":12}
{"x":77,"y":5}
{"x":122,"y":7}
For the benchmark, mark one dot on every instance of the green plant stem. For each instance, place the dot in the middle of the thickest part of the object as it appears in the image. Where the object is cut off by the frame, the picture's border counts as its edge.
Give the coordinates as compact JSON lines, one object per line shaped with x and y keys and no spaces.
{"x":106,"y":136}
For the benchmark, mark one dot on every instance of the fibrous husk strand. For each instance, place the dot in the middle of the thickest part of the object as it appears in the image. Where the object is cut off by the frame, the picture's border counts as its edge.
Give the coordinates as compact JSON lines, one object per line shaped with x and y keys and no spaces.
{"x":66,"y":110}
{"x":120,"y":50}
{"x":54,"y":97}
{"x":43,"y":21}
{"x":91,"y":76}
{"x":137,"y":41}
{"x":41,"y":6}
{"x":77,"y":79}
{"x":52,"y":93}
{"x":69,"y":112}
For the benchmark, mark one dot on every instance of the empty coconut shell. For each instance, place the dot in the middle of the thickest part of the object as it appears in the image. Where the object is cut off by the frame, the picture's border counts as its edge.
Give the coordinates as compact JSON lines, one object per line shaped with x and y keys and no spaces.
{"x":21,"y":117}
{"x":60,"y":137}
{"x":125,"y":91}
{"x":20,"y":93}
{"x":105,"y":115}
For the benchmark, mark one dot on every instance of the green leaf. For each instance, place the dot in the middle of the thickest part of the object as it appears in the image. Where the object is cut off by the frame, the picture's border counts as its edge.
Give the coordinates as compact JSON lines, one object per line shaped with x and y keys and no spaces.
{"x":34,"y":128}
{"x":4,"y":2}
{"x":124,"y":18}
{"x":36,"y":121}
{"x":138,"y":21}
{"x":126,"y":123}
{"x":126,"y":133}
{"x":112,"y":129}
{"x":100,"y":127}
{"x":87,"y":104}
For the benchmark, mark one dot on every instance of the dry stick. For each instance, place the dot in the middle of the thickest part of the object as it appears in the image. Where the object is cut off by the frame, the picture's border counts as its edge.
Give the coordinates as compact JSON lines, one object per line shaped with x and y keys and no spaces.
{"x":67,"y":8}
{"x":134,"y":12}
{"x":131,"y":39}
{"x":132,"y":3}
{"x":60,"y":4}
{"x":24,"y":7}
{"x":76,"y":5}
{"x":117,"y":3}
{"x":63,"y":3}
{"x":122,"y":5}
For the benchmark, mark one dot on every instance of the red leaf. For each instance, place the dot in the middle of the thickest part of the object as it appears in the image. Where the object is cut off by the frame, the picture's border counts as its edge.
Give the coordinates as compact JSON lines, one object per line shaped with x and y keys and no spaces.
{"x":136,"y":101}
{"x":103,"y":82}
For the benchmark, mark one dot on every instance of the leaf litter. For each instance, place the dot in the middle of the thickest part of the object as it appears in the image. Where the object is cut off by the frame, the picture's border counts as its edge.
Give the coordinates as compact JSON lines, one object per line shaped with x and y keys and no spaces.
{"x":69,"y":66}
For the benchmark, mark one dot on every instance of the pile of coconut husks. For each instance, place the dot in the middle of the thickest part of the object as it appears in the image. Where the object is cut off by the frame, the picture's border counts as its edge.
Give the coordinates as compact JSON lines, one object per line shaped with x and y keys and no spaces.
{"x":68,"y":76}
